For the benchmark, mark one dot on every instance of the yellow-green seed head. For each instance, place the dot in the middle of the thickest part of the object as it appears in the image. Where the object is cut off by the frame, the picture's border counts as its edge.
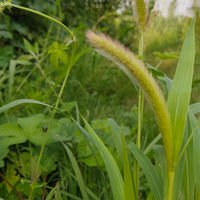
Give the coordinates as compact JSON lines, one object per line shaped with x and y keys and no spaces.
{"x":116,"y":52}
{"x":140,"y":12}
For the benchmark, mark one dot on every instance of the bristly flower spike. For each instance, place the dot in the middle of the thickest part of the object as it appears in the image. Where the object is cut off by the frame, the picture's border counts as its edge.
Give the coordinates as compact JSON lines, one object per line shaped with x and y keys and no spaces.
{"x":116,"y":52}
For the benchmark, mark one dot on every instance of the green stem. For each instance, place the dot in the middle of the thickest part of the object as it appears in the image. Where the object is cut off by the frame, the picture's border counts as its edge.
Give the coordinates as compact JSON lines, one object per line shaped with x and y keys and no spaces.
{"x":158,"y":65}
{"x":140,"y":116}
{"x":43,"y":15}
{"x":170,"y":185}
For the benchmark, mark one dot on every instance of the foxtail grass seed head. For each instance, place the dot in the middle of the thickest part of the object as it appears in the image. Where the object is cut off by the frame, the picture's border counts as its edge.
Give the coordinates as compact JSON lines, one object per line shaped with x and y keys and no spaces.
{"x":140,"y":12}
{"x":116,"y":52}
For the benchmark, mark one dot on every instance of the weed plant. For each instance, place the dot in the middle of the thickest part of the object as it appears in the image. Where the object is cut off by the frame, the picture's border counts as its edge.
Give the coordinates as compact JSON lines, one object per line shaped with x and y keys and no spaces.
{"x":63,"y":157}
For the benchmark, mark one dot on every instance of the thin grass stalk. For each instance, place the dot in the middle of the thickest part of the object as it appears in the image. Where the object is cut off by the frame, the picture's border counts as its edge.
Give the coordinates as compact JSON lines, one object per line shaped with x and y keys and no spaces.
{"x":170,"y":185}
{"x":140,"y":117}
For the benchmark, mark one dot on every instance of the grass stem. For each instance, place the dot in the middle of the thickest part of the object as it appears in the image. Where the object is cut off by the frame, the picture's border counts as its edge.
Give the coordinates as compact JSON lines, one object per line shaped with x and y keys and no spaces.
{"x":170,"y":185}
{"x":43,"y":15}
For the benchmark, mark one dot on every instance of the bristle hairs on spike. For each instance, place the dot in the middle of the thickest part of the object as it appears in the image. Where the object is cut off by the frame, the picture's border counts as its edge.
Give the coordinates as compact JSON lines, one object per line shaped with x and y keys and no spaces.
{"x":116,"y":52}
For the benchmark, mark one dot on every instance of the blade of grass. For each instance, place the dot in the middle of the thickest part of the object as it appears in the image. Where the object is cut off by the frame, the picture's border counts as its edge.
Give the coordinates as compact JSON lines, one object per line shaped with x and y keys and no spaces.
{"x":128,"y":184}
{"x":196,"y":140}
{"x":189,"y":170}
{"x":116,"y":134}
{"x":179,"y":95}
{"x":116,"y":180}
{"x":160,"y":161}
{"x":11,"y":76}
{"x":149,"y":171}
{"x":77,"y":172}
{"x":195,"y":108}
{"x":151,"y":145}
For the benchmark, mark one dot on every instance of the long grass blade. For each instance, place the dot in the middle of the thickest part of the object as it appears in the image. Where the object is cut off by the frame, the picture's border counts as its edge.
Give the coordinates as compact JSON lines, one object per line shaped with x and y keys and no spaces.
{"x":77,"y":172}
{"x":128,"y":183}
{"x":116,"y":134}
{"x":196,"y":140}
{"x":195,"y":108}
{"x":180,"y":92}
{"x":149,"y":171}
{"x":116,"y":180}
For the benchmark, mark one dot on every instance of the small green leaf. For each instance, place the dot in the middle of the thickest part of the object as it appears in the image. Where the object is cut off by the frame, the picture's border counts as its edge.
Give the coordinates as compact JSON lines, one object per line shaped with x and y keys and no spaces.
{"x":57,"y":52}
{"x":166,"y":56}
{"x":29,"y":47}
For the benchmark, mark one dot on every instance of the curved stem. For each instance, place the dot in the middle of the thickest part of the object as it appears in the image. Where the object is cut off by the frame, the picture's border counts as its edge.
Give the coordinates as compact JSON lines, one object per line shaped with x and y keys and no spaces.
{"x":43,"y":15}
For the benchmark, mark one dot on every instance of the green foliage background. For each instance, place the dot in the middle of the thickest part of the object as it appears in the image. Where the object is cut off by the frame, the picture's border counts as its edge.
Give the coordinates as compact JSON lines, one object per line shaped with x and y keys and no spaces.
{"x":96,"y":87}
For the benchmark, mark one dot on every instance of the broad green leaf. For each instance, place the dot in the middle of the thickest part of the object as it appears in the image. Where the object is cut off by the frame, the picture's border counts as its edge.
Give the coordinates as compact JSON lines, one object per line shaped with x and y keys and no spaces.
{"x":149,"y":171}
{"x":116,"y":180}
{"x":179,"y":96}
{"x":12,"y":134}
{"x":128,"y":183}
{"x":77,"y":172}
{"x":29,"y":124}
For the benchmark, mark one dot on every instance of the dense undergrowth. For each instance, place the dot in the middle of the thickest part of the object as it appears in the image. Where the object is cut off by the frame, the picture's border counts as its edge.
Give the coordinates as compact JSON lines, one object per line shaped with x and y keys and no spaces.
{"x":54,"y":154}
